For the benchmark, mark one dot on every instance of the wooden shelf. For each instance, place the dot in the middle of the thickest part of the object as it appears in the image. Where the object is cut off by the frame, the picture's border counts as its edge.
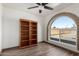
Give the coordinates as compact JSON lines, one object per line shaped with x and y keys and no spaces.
{"x":25,"y":30}
{"x":28,"y":33}
{"x":33,"y":31}
{"x":32,"y":39}
{"x":24,"y":40}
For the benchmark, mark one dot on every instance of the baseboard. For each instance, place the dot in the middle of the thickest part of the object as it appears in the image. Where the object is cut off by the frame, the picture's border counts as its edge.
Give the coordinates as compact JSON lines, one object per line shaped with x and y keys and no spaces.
{"x":62,"y":48}
{"x":10,"y":48}
{"x":41,"y":41}
{"x":16,"y":47}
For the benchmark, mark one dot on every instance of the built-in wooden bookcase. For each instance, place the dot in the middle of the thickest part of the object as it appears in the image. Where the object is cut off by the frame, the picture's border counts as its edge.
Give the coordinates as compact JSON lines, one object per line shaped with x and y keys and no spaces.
{"x":28,"y":33}
{"x":33,"y":32}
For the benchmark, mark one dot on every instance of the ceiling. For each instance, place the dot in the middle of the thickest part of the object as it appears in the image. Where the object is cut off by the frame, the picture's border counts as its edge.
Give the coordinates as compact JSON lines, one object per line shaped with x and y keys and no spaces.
{"x":35,"y":11}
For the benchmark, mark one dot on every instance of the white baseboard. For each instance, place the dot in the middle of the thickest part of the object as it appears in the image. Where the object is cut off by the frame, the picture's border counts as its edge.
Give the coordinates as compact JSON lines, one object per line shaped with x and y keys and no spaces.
{"x":71,"y":48}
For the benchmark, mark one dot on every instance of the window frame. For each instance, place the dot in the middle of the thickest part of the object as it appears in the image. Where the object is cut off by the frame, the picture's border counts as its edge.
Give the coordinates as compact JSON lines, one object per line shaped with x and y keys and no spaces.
{"x":71,"y":15}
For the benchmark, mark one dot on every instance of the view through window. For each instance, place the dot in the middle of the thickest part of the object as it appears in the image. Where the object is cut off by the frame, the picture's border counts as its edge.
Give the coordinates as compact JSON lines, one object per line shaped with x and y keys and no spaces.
{"x":64,"y":29}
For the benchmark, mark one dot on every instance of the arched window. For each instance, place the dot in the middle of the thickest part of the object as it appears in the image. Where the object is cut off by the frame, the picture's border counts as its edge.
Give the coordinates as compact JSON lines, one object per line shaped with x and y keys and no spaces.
{"x":63,"y":29}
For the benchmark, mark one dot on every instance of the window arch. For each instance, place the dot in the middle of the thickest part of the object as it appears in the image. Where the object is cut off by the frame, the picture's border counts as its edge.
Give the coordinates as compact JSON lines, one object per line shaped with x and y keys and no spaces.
{"x":61,"y":26}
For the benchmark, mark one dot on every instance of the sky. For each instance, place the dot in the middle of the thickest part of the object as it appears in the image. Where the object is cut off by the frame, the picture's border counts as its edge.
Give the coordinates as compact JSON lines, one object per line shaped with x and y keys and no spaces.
{"x":63,"y":22}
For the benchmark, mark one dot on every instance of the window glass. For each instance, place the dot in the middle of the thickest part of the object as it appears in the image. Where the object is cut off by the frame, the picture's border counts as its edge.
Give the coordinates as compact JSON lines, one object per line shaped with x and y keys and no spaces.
{"x":64,"y":29}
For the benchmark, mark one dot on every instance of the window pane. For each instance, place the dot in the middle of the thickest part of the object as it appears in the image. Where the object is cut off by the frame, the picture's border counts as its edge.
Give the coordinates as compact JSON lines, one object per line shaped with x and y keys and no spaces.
{"x":55,"y":34}
{"x":64,"y":29}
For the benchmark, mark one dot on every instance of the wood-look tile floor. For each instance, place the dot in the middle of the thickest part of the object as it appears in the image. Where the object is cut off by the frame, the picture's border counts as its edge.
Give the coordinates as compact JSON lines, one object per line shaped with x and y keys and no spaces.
{"x":42,"y":49}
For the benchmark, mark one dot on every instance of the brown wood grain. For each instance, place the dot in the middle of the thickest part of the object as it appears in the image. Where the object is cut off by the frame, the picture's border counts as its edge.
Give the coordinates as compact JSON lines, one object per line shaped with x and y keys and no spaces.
{"x":28,"y":33}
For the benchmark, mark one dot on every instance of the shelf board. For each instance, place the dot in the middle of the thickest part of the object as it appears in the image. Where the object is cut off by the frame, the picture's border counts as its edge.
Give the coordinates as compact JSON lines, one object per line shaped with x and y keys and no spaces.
{"x":24,"y":30}
{"x":33,"y":29}
{"x":33,"y":34}
{"x":33,"y":26}
{"x":24,"y":25}
{"x":24,"y":35}
{"x":24,"y":40}
{"x":32,"y":39}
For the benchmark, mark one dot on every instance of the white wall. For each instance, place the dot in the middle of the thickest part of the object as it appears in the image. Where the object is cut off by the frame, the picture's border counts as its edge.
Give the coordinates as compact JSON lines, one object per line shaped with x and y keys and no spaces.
{"x":11,"y":26}
{"x":0,"y":26}
{"x":74,"y":8}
